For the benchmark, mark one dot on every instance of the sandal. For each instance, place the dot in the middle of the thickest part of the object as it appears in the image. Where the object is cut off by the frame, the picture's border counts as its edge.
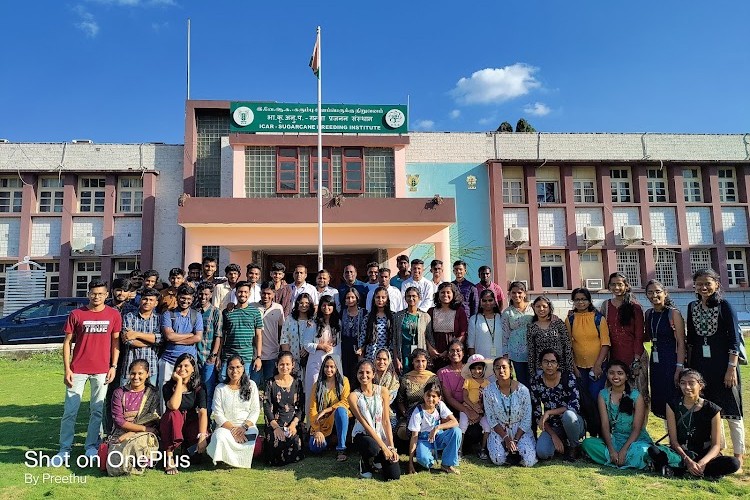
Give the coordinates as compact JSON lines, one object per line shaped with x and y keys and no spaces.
{"x":342,"y":457}
{"x":171,"y":471}
{"x":450,"y":470}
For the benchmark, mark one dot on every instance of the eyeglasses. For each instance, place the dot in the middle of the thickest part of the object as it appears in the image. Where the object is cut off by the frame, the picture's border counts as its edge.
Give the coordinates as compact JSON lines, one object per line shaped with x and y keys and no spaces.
{"x":580,"y":300}
{"x":549,"y":362}
{"x":455,"y":351}
{"x":97,"y":294}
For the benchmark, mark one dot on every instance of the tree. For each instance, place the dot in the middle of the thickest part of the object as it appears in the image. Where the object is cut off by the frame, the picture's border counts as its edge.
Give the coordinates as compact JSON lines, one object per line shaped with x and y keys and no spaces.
{"x":524,"y":126}
{"x":505,"y":127}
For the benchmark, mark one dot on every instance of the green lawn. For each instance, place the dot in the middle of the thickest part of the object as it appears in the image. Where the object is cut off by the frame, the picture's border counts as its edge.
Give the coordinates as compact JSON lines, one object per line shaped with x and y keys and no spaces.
{"x":31,"y":392}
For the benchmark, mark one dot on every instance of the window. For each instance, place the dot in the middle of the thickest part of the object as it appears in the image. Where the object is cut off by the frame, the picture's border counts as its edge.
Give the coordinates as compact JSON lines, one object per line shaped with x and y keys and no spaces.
{"x":553,"y":270}
{"x":700,"y":259}
{"x":11,"y":194}
{"x":51,"y":194}
{"x":584,"y":191}
{"x":53,"y":279}
{"x":327,"y":171}
{"x":656,"y":184}
{"x":130,"y":195}
{"x":353,"y":170}
{"x":620,"y":185}
{"x":513,"y":191}
{"x":42,"y":310}
{"x":629,"y":264}
{"x":736,"y":270}
{"x":91,"y":194}
{"x":4,"y":266}
{"x":124,"y":267}
{"x":691,"y":185}
{"x":85,"y":271}
{"x":665,"y":266}
{"x":212,"y":251}
{"x":547,"y":192}
{"x":588,"y":257}
{"x":287,"y":171}
{"x":727,"y":185}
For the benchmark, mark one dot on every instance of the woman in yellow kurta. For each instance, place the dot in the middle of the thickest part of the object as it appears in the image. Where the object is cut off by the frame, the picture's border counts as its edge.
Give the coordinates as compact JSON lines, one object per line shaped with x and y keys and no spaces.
{"x":329,"y":409}
{"x":590,"y":335}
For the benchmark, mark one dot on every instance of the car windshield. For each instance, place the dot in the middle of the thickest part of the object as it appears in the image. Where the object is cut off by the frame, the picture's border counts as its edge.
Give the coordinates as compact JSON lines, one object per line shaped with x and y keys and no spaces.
{"x":36,"y":311}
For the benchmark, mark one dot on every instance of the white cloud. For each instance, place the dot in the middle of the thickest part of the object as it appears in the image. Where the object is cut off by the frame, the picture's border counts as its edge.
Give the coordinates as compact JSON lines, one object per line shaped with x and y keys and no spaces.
{"x":496,"y":85}
{"x":157,"y":27}
{"x":537,"y":109}
{"x":455,"y":113}
{"x":87,"y":23}
{"x":487,"y":120}
{"x":424,"y":125}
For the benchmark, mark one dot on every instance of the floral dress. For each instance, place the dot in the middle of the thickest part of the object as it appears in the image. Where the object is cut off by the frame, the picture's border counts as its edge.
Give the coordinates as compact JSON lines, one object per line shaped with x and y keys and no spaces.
{"x":381,"y":338}
{"x":513,"y":412}
{"x":555,"y":336}
{"x":283,"y":404}
{"x":293,"y":333}
{"x":514,"y":323}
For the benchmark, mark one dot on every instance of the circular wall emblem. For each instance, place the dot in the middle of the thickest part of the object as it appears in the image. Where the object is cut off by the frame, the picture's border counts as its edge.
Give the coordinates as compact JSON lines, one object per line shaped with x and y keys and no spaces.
{"x":395,"y":118}
{"x":243,"y":116}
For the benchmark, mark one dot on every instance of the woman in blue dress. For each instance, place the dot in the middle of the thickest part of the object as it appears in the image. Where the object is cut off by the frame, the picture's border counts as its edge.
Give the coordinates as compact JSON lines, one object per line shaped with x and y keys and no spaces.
{"x":665,"y":328}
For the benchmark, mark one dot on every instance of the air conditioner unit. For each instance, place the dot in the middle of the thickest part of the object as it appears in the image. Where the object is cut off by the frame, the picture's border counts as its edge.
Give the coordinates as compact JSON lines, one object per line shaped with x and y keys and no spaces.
{"x":594,"y":233}
{"x":518,"y":234}
{"x":83,"y":245}
{"x":82,"y":141}
{"x":595,"y":284}
{"x":632,"y":233}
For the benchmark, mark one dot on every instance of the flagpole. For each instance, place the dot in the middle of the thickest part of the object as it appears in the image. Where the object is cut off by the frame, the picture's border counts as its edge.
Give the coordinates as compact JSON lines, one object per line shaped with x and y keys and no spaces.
{"x":320,"y":159}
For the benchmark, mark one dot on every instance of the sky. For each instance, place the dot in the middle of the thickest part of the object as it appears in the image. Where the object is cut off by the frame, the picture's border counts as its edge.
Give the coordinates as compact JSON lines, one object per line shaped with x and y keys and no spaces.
{"x":115,"y":70}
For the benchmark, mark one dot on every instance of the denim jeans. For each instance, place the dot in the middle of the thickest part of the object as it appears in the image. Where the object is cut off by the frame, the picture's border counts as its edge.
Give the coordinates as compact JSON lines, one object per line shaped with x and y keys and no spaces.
{"x":341,"y":426}
{"x":522,"y":372}
{"x":269,"y":365}
{"x":593,"y":387}
{"x":166,"y":368}
{"x":448,"y":440}
{"x":572,"y":428}
{"x":209,"y":380}
{"x":73,"y":402}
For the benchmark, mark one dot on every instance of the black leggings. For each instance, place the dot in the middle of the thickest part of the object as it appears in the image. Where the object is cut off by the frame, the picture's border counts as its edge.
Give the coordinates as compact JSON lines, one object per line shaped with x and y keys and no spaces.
{"x":716,"y":467}
{"x":370,"y":451}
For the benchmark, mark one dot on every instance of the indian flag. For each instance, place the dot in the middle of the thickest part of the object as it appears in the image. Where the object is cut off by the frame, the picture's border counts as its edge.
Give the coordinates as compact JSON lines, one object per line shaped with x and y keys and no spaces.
{"x":315,"y":57}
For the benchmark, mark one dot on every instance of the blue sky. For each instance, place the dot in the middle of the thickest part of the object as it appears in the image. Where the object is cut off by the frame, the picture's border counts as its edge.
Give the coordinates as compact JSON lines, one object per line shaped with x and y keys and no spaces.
{"x":114,"y":70}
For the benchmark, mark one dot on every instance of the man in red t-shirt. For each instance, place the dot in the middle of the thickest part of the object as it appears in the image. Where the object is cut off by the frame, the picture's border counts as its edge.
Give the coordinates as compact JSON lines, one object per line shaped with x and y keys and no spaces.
{"x":95,"y":331}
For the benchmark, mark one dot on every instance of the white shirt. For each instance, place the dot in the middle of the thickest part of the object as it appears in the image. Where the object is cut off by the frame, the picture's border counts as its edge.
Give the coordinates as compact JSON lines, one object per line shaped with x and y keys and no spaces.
{"x":485,"y":334}
{"x":394,"y":296}
{"x":305,"y":288}
{"x":331,"y":292}
{"x":426,"y":289}
{"x":424,"y":421}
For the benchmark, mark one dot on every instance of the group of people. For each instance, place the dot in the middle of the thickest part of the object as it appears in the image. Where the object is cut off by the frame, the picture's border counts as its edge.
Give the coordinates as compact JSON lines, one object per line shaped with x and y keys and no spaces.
{"x":429,"y":368}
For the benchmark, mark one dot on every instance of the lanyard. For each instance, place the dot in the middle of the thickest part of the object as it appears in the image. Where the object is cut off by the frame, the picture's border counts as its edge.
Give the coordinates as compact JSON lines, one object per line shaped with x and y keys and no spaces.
{"x":654,"y":331}
{"x":491,"y":330}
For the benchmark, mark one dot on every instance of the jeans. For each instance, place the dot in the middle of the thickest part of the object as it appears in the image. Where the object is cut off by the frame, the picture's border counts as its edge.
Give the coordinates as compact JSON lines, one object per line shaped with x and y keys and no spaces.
{"x":341,"y":425}
{"x":448,"y":440}
{"x":593,"y":387}
{"x":166,"y":368}
{"x":269,"y":365}
{"x":73,"y":402}
{"x":254,"y":375}
{"x":209,"y":380}
{"x":522,"y":372}
{"x":572,"y":428}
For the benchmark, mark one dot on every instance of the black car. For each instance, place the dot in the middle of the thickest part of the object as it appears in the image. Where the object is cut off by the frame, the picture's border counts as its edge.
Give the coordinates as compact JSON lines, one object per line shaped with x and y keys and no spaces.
{"x":40,"y":323}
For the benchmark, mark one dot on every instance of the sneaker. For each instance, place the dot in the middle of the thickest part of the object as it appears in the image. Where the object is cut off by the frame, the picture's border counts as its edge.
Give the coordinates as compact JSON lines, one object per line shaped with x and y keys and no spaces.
{"x":61,"y":459}
{"x":483,"y":455}
{"x":365,"y":475}
{"x":91,"y":451}
{"x":377,"y":466}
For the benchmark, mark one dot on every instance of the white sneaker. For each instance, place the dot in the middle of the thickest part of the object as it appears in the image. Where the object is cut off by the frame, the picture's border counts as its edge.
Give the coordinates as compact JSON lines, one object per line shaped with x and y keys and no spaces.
{"x":91,"y":451}
{"x":365,"y":475}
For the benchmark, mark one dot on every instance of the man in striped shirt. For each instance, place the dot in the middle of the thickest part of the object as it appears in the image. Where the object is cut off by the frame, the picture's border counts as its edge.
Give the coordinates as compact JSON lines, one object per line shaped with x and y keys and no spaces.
{"x":141,"y":335}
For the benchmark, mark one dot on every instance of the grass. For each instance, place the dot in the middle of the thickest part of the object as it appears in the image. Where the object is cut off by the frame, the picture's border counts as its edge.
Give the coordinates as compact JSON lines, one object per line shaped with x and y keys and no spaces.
{"x":31,"y":392}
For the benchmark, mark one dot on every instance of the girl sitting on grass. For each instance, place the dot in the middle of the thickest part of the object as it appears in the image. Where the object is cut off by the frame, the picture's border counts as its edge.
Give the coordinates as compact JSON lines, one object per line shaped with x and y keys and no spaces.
{"x":433,"y":428}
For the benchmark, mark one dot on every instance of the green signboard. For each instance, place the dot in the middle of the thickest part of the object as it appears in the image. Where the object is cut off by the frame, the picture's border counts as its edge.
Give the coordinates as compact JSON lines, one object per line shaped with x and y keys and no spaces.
{"x":275,"y":117}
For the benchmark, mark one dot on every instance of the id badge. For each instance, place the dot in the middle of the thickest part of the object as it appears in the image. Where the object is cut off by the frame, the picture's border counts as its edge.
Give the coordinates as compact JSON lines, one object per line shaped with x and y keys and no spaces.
{"x":654,"y":356}
{"x":493,"y":352}
{"x":706,"y":351}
